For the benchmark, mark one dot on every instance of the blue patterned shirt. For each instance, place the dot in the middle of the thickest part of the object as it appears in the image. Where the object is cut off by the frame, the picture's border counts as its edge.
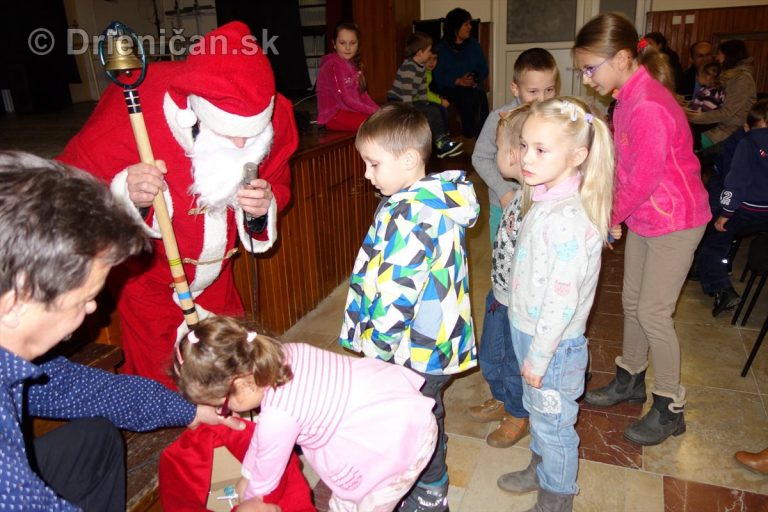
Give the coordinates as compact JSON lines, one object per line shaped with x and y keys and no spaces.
{"x":64,"y":390}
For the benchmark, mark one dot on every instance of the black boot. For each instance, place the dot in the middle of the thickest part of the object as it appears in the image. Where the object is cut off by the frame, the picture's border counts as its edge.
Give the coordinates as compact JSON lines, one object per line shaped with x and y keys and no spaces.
{"x":725,"y":299}
{"x":553,"y":502}
{"x":663,"y":420}
{"x":520,"y":482}
{"x":626,"y":386}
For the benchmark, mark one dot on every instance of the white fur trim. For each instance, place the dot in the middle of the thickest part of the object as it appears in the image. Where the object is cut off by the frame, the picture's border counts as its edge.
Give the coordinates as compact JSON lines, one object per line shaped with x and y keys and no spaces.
{"x":186,"y":118}
{"x":245,"y":237}
{"x":214,"y":249}
{"x":119,"y":188}
{"x":182,"y":135}
{"x":231,"y":125}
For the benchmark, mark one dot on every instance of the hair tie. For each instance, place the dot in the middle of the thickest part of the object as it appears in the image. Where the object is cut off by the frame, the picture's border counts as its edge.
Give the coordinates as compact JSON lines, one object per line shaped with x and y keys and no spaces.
{"x":642,"y":44}
{"x":588,"y":118}
{"x":569,"y":108}
{"x":250,"y":337}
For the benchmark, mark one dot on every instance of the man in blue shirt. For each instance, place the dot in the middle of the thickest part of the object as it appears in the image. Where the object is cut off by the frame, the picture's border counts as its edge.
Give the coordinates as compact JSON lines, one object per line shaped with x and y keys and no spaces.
{"x":60,"y":233}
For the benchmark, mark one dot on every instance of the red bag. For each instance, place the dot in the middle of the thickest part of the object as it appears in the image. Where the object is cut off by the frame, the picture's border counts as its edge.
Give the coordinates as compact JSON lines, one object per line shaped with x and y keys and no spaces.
{"x":186,"y":465}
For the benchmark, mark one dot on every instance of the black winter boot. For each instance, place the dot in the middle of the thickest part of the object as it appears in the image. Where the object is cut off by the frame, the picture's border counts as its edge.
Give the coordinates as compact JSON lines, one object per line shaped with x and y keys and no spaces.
{"x":524,"y":481}
{"x":664,"y":419}
{"x":626,"y":386}
{"x":548,"y":501}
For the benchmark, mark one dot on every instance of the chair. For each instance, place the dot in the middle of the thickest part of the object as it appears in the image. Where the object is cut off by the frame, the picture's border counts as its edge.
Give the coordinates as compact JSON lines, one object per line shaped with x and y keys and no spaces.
{"x":757,"y":264}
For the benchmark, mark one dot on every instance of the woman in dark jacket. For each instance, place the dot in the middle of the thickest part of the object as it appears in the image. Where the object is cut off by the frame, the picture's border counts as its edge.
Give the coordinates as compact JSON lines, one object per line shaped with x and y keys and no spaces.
{"x":461,"y":70}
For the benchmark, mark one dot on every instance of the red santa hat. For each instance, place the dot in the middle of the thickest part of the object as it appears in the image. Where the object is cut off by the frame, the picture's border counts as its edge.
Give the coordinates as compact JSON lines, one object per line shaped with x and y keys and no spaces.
{"x":227,"y":83}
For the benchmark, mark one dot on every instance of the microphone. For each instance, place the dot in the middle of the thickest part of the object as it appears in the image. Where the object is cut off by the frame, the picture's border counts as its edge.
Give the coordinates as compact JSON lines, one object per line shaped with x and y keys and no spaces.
{"x":250,"y":173}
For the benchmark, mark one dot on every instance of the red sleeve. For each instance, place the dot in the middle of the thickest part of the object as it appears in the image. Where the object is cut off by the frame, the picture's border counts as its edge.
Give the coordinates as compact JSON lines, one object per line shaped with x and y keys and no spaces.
{"x":275,"y":168}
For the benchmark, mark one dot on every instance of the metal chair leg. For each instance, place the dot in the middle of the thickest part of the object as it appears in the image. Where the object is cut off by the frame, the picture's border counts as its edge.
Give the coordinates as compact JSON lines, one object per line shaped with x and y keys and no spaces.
{"x":755,"y":296}
{"x":755,"y":348}
{"x":744,"y":297}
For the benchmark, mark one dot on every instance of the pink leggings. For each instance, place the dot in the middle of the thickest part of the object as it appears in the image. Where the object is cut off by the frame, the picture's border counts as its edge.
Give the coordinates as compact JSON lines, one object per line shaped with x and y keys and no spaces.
{"x":346,"y":121}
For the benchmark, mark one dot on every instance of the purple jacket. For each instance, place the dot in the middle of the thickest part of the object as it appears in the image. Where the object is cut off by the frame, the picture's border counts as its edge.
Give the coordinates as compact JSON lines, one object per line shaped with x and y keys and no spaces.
{"x":338,"y":89}
{"x":658,"y":178}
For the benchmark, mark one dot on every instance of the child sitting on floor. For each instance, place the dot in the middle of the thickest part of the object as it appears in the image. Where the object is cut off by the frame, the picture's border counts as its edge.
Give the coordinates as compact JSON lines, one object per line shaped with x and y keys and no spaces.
{"x":362,"y":424}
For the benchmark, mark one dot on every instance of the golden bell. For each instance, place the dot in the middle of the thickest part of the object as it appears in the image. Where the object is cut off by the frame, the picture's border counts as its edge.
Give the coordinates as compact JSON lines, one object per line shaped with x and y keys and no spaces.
{"x":122,"y":58}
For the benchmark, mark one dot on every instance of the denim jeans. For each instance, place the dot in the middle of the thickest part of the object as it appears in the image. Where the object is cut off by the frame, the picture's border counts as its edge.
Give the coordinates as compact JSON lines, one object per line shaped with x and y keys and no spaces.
{"x":554,"y":410}
{"x":497,"y":358}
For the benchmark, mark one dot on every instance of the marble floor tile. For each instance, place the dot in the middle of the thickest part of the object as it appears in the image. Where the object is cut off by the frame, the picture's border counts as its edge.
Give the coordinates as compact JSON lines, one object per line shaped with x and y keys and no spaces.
{"x":606,"y":488}
{"x":603,"y":326}
{"x":719,"y":423}
{"x":602,"y":439}
{"x":713,"y":356}
{"x":607,"y":301}
{"x":483,"y":494}
{"x":603,"y":354}
{"x":465,"y":391}
{"x":686,"y":496}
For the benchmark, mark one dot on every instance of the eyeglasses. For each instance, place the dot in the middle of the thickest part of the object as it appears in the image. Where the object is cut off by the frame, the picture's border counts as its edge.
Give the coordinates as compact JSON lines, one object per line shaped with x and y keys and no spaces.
{"x":589,"y":71}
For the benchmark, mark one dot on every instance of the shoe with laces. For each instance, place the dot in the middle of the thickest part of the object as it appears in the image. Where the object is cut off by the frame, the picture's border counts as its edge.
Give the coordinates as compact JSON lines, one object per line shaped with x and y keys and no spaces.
{"x":447,"y":147}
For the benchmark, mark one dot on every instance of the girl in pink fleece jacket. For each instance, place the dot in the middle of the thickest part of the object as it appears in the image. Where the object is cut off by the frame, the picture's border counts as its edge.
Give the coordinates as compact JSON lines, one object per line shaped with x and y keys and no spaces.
{"x":342,"y":101}
{"x":660,"y":197}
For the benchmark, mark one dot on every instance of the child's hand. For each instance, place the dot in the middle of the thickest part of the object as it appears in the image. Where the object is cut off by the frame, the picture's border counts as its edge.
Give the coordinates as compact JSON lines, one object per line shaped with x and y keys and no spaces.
{"x":529,"y":377}
{"x":720,"y":223}
{"x":615,"y":232}
{"x":240,"y":487}
{"x":445,"y":102}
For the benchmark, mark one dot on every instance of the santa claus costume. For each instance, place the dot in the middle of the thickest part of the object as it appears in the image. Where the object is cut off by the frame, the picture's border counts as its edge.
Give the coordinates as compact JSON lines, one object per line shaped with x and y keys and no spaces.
{"x":228,"y":86}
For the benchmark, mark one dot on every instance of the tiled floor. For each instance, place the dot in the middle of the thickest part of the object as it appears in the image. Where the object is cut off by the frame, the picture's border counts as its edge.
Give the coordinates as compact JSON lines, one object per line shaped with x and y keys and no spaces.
{"x":695,"y":472}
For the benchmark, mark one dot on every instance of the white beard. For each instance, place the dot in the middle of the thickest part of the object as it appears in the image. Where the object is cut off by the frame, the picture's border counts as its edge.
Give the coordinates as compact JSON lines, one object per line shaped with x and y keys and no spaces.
{"x":217,"y":166}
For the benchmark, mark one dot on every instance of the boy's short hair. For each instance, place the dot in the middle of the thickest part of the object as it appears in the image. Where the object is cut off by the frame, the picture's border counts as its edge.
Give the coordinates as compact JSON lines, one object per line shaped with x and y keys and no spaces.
{"x":397,"y":127}
{"x":758,"y":113}
{"x":533,"y":59}
{"x":416,"y":42}
{"x":55,"y":220}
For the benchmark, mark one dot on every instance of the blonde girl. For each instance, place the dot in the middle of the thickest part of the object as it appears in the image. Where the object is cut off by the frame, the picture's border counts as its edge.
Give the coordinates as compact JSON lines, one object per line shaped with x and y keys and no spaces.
{"x":567,"y":157}
{"x":362,"y":424}
{"x":661,"y":199}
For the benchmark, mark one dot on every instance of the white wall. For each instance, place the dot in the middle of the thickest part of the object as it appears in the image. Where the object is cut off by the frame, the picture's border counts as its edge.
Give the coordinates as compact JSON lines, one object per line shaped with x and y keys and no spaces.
{"x":675,"y":5}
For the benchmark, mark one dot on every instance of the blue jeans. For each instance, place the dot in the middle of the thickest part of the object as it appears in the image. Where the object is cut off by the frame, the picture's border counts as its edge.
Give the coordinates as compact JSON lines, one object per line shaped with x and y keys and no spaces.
{"x":497,"y":358}
{"x":554,"y":411}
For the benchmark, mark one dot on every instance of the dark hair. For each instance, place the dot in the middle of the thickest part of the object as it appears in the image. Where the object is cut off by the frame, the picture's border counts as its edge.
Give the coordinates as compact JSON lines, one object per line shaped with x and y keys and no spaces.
{"x":758,"y":113}
{"x":397,"y":127}
{"x":692,"y":48}
{"x":734,"y":52}
{"x":204,"y":370}
{"x":533,"y":59}
{"x":608,"y":33}
{"x":357,"y":60}
{"x":658,"y":38}
{"x":55,"y":220}
{"x":453,"y":22}
{"x":416,"y":42}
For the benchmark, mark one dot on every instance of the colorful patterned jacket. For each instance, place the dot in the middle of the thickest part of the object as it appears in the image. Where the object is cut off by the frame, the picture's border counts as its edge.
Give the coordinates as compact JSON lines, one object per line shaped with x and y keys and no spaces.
{"x":408,"y":300}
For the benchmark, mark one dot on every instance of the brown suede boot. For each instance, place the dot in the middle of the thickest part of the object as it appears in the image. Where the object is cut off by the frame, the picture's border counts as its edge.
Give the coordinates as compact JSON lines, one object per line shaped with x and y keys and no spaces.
{"x":757,"y":462}
{"x":490,"y":410}
{"x":509,"y":432}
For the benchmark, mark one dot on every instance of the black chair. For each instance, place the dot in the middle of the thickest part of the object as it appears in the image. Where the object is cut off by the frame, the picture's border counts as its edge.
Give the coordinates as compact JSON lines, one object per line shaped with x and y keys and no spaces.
{"x":757,"y":264}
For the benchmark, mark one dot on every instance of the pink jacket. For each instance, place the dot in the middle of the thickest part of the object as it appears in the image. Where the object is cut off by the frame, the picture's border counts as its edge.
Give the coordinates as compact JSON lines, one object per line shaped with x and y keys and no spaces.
{"x":658,"y":178}
{"x":338,"y":89}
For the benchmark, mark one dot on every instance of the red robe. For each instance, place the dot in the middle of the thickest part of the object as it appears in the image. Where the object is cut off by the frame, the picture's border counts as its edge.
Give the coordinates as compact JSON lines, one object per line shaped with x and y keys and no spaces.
{"x":105,"y":147}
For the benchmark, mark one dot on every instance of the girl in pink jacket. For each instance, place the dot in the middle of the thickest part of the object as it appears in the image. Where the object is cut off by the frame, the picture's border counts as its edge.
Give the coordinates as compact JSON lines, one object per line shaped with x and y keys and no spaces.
{"x":342,"y":101}
{"x":660,"y":197}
